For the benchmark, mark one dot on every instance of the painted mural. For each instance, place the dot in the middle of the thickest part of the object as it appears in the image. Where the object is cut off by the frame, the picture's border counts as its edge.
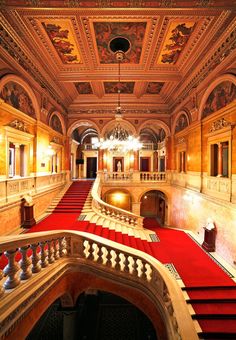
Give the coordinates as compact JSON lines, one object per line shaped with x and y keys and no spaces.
{"x":182,"y":123}
{"x":84,"y":88}
{"x":176,"y":39}
{"x":223,"y":94}
{"x":133,"y":31}
{"x":15,"y":95}
{"x":154,"y":87}
{"x":60,"y":34}
{"x":55,"y":123}
{"x":113,"y":87}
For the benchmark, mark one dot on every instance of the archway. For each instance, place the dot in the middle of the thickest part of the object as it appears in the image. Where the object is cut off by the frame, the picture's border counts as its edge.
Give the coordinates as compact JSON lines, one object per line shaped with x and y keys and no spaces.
{"x":154,"y":205}
{"x":96,"y":315}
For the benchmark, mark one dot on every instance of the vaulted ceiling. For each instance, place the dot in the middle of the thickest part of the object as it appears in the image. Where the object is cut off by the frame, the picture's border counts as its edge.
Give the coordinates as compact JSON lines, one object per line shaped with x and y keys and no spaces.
{"x":64,"y":46}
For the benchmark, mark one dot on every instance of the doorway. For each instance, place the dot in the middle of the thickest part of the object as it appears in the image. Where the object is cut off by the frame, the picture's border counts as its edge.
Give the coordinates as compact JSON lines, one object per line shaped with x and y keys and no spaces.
{"x":91,"y":167}
{"x":144,"y":164}
{"x":153,"y":205}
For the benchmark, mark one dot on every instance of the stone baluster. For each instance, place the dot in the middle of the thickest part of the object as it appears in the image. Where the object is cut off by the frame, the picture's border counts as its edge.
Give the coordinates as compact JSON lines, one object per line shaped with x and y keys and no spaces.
{"x":51,"y":258}
{"x":11,"y":270}
{"x":142,"y":271}
{"x":62,"y":248}
{"x":43,"y":255}
{"x":126,"y":263}
{"x":109,"y":257}
{"x":67,"y":246}
{"x":36,"y":267}
{"x":89,"y":248}
{"x":25,"y":263}
{"x":99,"y":254}
{"x":2,"y":290}
{"x":56,"y":250}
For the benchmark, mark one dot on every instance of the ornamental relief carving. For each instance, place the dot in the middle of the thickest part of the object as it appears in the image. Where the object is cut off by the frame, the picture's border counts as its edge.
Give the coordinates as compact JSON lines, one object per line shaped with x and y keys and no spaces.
{"x":19,"y":125}
{"x":219,"y":124}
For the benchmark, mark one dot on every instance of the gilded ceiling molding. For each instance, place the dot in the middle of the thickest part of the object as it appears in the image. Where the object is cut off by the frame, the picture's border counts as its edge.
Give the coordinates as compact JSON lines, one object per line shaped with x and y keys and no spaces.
{"x":15,"y":51}
{"x":209,"y":64}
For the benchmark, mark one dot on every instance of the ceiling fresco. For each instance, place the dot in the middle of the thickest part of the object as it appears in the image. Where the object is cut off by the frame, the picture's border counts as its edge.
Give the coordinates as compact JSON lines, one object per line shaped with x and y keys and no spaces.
{"x":113,"y":87}
{"x":154,"y":87}
{"x":175,"y":41}
{"x":60,"y":34}
{"x":84,"y":88}
{"x":63,"y":46}
{"x":133,"y":31}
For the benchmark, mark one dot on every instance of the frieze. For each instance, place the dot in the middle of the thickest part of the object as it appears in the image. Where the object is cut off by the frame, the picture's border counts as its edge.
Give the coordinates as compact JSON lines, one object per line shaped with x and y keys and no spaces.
{"x":19,"y":125}
{"x":219,"y":124}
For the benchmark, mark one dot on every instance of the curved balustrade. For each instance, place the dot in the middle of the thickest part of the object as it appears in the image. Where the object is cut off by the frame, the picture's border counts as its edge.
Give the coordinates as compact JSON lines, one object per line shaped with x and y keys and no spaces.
{"x":109,"y":211}
{"x":55,"y":253}
{"x":153,"y":176}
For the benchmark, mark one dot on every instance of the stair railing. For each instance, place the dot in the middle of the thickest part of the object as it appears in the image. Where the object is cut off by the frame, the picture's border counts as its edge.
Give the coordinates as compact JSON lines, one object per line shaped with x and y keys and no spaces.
{"x":116,"y":214}
{"x":55,"y":253}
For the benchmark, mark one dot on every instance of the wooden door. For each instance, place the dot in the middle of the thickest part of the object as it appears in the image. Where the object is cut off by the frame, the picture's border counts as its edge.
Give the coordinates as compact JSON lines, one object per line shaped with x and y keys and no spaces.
{"x":91,"y":167}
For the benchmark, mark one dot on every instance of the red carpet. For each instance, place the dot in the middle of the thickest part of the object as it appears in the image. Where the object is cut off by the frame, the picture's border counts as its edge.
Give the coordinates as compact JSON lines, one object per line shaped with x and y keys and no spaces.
{"x":198,"y":271}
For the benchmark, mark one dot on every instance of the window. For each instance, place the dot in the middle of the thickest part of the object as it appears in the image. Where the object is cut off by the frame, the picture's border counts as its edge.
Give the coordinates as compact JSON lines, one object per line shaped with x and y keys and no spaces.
{"x":219,"y":159}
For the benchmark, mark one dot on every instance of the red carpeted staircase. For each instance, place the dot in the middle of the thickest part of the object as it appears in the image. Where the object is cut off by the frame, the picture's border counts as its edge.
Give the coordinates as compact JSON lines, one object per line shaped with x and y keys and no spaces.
{"x":210,"y":291}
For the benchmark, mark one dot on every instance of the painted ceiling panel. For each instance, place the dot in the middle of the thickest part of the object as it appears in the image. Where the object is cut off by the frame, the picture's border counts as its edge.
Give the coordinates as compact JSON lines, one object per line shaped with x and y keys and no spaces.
{"x":175,"y":42}
{"x":154,"y":87}
{"x":84,"y":88}
{"x":133,"y":31}
{"x":60,"y":34}
{"x":113,"y":87}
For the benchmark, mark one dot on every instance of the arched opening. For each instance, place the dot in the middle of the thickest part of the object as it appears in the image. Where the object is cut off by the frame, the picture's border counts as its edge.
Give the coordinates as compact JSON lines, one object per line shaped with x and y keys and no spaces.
{"x":154,"y":205}
{"x":119,"y":198}
{"x":97,"y":315}
{"x":84,"y":155}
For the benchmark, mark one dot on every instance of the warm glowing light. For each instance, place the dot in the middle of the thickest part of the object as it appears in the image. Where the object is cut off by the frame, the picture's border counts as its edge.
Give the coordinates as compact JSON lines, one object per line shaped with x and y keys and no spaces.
{"x":131,"y":158}
{"x":50,"y":151}
{"x":145,"y":197}
{"x":118,"y":197}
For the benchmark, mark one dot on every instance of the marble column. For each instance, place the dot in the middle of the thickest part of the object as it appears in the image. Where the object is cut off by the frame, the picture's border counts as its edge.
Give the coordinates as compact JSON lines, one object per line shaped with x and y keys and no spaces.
{"x":220,"y":161}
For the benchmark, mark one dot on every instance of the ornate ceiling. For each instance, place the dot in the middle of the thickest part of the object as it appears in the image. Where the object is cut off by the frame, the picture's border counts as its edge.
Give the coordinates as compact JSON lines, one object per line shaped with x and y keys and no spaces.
{"x":64,"y":46}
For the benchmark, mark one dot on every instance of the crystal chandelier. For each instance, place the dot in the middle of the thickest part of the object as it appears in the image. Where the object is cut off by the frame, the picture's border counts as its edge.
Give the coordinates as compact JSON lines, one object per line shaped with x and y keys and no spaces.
{"x":118,"y":139}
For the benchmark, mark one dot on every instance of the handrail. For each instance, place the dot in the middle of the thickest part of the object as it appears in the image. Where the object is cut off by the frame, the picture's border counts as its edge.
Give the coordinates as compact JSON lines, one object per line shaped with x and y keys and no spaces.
{"x":117,"y":214}
{"x":67,"y":249}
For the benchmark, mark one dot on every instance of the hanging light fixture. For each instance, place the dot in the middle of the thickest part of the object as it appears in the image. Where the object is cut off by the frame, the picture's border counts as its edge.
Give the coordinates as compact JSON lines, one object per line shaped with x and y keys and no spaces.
{"x":118,"y":139}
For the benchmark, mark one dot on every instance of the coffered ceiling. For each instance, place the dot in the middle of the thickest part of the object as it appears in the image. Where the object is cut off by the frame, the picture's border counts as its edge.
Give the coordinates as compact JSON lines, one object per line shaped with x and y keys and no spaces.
{"x":64,"y":46}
